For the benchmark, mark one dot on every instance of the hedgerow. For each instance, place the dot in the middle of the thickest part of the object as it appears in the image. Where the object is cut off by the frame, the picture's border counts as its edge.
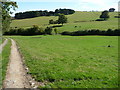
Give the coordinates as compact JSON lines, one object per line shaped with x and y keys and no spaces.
{"x":35,"y":30}
{"x":109,"y":32}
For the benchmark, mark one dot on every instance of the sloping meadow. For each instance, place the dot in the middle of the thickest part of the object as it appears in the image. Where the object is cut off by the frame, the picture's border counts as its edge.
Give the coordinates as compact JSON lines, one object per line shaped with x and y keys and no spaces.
{"x":77,"y":21}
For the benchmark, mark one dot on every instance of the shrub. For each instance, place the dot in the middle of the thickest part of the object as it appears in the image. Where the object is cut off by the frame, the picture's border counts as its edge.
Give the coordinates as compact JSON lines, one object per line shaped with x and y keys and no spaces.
{"x":35,"y":30}
{"x":53,"y":22}
{"x":66,"y":33}
{"x":48,"y":30}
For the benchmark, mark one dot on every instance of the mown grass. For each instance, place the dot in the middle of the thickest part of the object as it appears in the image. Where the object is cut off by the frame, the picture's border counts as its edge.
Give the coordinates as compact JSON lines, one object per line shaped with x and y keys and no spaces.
{"x":83,"y":21}
{"x":71,"y":62}
{"x":4,"y":59}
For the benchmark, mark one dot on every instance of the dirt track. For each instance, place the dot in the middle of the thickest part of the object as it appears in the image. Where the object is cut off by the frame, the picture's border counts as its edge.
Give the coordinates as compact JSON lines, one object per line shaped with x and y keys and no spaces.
{"x":16,"y":75}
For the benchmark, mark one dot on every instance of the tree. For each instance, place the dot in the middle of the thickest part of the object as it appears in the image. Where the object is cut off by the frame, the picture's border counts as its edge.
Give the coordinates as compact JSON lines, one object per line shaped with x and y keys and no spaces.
{"x":111,"y":9}
{"x":51,"y":21}
{"x":48,"y":30}
{"x":55,"y":30}
{"x":6,"y":11}
{"x":62,"y":19}
{"x":104,"y":15}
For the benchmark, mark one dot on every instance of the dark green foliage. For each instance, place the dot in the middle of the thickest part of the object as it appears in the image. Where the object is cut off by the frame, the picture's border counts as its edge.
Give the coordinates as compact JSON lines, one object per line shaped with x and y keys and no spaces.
{"x":35,"y":30}
{"x":31,"y":14}
{"x":53,"y":22}
{"x":6,"y":11}
{"x":64,"y":11}
{"x":62,"y":19}
{"x":48,"y":31}
{"x":104,"y":15}
{"x":66,"y":33}
{"x":100,"y":19}
{"x":55,"y":30}
{"x":109,"y":32}
{"x":111,"y":9}
{"x":27,"y":14}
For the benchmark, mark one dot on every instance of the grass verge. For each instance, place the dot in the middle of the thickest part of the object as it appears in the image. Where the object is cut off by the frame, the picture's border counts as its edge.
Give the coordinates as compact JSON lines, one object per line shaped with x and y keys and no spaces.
{"x":4,"y":60}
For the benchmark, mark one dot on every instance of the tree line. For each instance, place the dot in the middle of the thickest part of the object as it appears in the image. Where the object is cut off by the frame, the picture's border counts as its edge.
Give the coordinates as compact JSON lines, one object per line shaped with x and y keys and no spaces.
{"x":31,"y":14}
{"x":35,"y":30}
{"x":108,"y":32}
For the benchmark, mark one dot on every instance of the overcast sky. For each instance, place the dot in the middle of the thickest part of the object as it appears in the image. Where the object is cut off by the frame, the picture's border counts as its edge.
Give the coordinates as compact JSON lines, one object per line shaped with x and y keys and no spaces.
{"x":78,"y":5}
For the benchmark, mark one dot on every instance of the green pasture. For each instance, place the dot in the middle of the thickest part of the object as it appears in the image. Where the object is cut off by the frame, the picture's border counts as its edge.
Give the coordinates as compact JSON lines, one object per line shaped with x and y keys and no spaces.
{"x":83,"y":21}
{"x":71,"y":61}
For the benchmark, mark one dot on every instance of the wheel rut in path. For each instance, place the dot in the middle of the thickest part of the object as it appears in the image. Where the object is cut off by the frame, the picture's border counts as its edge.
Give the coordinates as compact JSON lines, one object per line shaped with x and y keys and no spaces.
{"x":16,"y":74}
{"x":2,"y":45}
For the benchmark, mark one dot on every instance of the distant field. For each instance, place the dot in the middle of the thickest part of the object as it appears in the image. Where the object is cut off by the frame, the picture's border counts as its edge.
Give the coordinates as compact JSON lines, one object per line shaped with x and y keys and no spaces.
{"x":71,"y":62}
{"x":83,"y":20}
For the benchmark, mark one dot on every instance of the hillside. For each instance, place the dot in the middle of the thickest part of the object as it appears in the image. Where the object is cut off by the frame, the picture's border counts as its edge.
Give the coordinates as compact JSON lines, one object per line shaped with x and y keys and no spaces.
{"x":83,"y":20}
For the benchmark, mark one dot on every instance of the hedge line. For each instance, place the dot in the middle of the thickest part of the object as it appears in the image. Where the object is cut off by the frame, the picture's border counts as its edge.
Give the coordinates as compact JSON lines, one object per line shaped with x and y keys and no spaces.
{"x":109,"y":32}
{"x":35,"y":30}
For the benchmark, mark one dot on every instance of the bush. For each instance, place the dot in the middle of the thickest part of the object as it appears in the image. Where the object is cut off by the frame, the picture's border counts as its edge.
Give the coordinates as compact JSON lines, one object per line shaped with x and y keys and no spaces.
{"x":35,"y":30}
{"x":48,"y":30}
{"x":66,"y":33}
{"x":53,"y":22}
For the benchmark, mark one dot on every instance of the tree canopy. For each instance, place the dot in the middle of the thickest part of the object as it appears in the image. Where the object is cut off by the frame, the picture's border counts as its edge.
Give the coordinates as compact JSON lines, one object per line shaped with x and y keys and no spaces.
{"x":105,"y":15}
{"x":6,"y":11}
{"x":62,"y":19}
{"x":31,"y":14}
{"x":111,"y":9}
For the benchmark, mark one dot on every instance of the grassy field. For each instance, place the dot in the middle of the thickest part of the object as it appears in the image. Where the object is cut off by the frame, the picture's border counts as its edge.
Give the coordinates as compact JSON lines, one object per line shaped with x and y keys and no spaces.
{"x":71,"y":62}
{"x":4,"y":58}
{"x":83,"y":20}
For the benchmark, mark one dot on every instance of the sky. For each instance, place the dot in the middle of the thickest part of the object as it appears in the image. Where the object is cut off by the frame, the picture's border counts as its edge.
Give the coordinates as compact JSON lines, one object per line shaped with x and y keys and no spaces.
{"x":77,"y":5}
